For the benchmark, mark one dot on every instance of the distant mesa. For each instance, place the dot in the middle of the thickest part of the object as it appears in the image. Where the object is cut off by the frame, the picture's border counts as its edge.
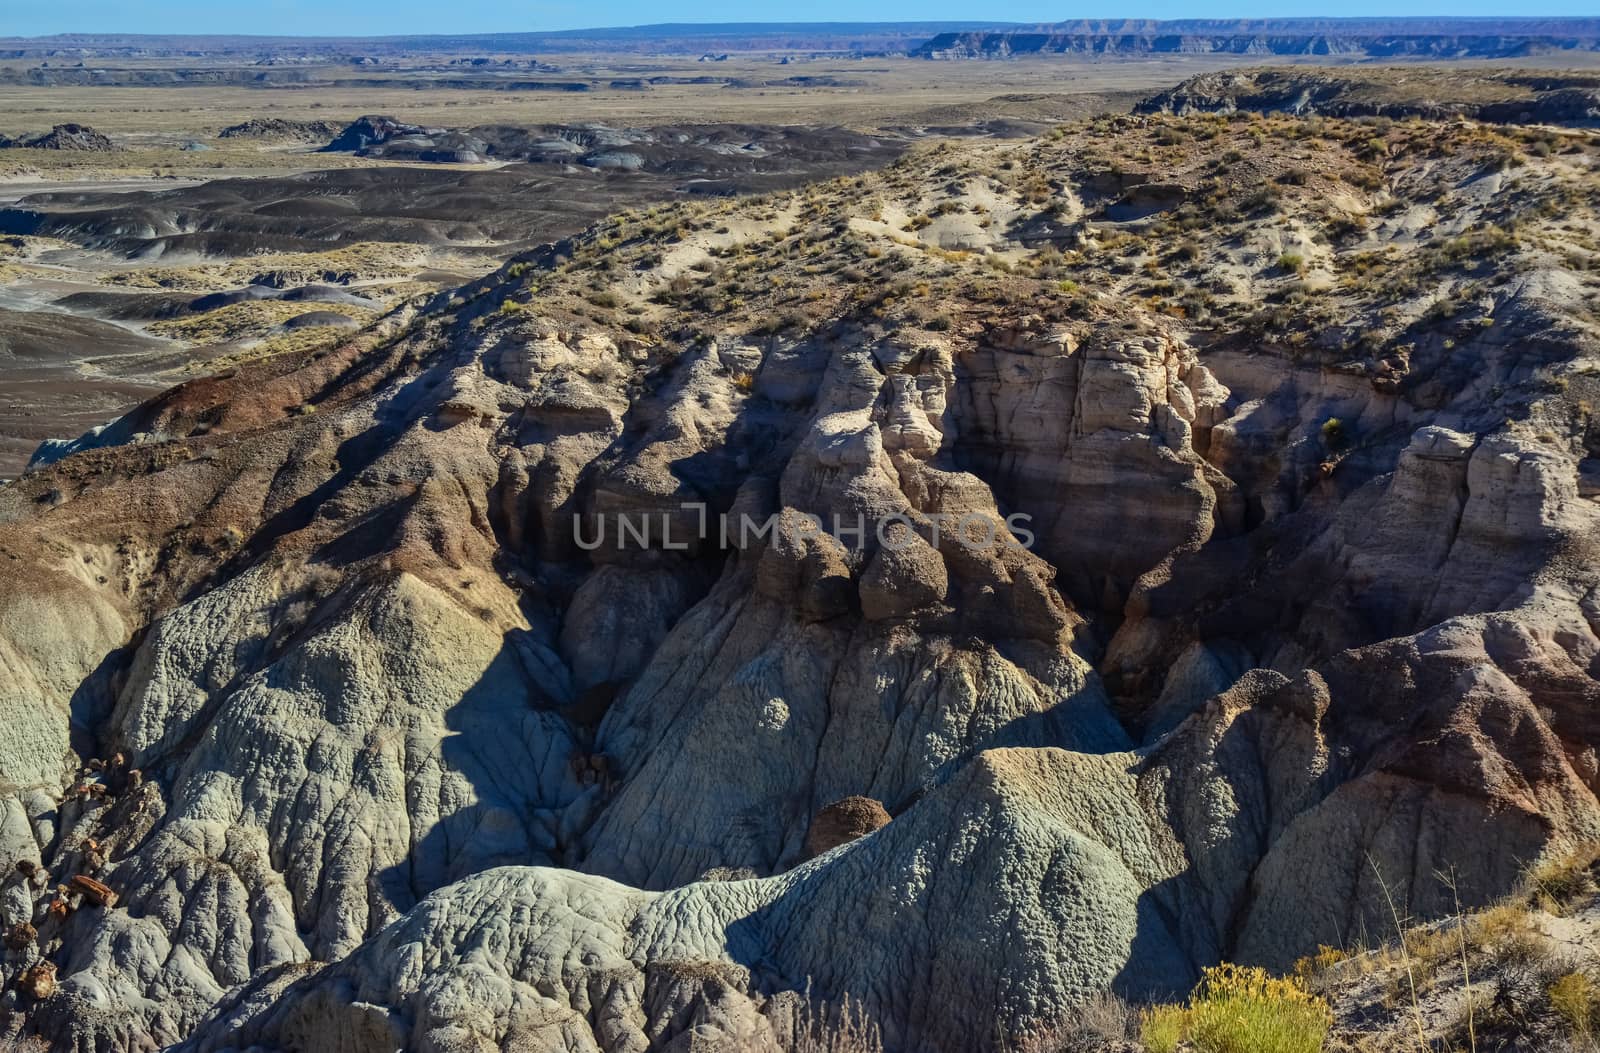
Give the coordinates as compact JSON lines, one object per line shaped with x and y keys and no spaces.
{"x":692,"y":39}
{"x":1387,"y":38}
{"x":1505,"y":97}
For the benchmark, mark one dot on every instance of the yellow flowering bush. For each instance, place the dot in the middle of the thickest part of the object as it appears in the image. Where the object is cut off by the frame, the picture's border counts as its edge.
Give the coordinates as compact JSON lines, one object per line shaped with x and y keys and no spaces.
{"x":1238,"y":1009}
{"x":1313,"y":965}
{"x":1161,"y":1027}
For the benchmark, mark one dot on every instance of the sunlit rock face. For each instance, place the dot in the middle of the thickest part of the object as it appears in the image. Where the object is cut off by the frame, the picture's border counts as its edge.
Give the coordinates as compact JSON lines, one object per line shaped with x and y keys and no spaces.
{"x":491,"y":679}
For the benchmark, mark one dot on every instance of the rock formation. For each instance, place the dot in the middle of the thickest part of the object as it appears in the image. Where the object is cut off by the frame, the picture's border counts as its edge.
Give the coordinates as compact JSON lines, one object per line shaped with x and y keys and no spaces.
{"x":405,"y":691}
{"x":709,"y":151}
{"x":78,"y":137}
{"x":842,"y":822}
{"x":1372,"y":38}
{"x":278,"y":128}
{"x":1505,"y":97}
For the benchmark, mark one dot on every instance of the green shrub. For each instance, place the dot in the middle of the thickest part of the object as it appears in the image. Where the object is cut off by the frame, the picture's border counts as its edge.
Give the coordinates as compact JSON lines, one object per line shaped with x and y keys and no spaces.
{"x":1333,"y":433}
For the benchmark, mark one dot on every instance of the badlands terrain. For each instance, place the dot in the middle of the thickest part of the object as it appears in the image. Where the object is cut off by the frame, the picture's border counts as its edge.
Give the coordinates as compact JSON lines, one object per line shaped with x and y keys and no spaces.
{"x":199,"y":168}
{"x":142,"y":282}
{"x":1266,"y":633}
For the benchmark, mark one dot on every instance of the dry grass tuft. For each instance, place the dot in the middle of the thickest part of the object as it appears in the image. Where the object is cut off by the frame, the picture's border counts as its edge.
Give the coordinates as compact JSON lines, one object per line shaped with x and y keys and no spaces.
{"x":844,"y":1028}
{"x":1509,"y":934}
{"x":1557,"y":883}
{"x":1576,"y":1000}
{"x":1104,"y":1020}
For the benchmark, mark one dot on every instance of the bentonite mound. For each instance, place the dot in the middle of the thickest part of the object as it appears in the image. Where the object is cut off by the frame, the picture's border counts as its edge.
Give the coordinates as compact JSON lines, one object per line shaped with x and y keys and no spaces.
{"x":709,"y":151}
{"x":67,"y":137}
{"x":368,"y":131}
{"x":583,"y":174}
{"x":279,"y":128}
{"x":317,"y":667}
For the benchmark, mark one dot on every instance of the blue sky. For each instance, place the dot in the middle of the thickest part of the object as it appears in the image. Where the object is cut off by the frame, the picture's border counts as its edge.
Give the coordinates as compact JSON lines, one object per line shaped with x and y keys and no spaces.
{"x":372,"y":17}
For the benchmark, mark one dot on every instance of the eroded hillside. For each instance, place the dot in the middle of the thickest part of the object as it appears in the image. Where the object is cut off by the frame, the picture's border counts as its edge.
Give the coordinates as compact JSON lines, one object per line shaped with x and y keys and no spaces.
{"x":307,"y":665}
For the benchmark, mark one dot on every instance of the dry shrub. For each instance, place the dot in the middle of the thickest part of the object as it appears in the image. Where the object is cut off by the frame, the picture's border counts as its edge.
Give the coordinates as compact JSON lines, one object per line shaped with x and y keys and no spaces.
{"x":1103,"y":1020}
{"x":844,"y":1028}
{"x":1430,"y":949}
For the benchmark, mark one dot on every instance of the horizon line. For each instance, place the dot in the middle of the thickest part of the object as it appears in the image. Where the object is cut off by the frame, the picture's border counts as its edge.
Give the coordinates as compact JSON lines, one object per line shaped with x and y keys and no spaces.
{"x":973,"y":24}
